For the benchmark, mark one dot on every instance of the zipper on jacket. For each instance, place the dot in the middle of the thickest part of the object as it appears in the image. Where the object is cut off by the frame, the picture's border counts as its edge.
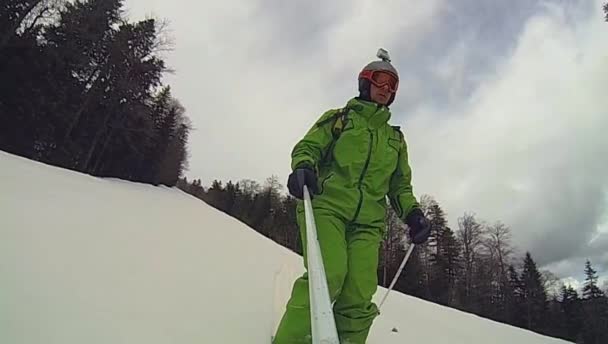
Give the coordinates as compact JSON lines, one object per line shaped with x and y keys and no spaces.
{"x":369,"y":154}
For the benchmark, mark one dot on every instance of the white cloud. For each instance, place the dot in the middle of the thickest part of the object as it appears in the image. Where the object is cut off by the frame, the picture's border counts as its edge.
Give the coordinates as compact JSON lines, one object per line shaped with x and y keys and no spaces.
{"x":526,"y":147}
{"x":249,"y":95}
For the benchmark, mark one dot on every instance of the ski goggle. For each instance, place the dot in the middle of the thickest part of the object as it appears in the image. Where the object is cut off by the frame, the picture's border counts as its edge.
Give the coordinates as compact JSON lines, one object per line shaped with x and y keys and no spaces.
{"x":380,"y":78}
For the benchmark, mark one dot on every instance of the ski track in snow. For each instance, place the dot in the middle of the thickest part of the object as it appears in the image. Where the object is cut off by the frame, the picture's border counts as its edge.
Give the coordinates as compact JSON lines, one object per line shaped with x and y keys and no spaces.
{"x":94,"y":260}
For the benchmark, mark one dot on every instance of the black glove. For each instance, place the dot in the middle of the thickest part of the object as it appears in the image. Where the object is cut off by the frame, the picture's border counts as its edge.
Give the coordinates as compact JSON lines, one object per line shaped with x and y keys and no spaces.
{"x":420,"y":228}
{"x":301,"y":176}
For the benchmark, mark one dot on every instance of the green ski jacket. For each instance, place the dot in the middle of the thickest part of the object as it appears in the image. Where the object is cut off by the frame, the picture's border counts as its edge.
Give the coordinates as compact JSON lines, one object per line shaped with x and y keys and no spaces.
{"x":360,"y":165}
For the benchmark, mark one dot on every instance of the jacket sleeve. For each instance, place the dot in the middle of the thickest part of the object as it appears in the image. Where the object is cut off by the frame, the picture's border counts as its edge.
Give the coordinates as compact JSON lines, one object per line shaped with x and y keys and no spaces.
{"x":400,"y":193}
{"x":313,"y":146}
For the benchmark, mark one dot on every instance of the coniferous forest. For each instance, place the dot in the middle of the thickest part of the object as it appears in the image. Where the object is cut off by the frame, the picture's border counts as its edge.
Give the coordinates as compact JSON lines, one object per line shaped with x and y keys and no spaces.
{"x":474,"y":267}
{"x":81,"y":88}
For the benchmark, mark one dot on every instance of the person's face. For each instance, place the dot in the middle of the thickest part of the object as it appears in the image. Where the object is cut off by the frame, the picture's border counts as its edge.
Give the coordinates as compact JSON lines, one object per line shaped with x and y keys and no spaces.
{"x":382,"y":88}
{"x":380,"y":95}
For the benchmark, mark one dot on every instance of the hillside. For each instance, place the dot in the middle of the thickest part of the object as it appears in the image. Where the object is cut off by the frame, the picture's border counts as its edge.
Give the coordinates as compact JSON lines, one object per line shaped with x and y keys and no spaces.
{"x":92,"y":260}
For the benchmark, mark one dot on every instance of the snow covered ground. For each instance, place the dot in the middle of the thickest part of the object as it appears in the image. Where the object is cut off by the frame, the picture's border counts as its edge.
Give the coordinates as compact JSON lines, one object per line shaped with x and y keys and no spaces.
{"x":91,"y":260}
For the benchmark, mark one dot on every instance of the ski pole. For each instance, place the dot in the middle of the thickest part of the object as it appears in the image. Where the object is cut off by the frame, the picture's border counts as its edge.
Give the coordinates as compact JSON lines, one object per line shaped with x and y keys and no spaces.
{"x":323,"y":325}
{"x":407,"y":256}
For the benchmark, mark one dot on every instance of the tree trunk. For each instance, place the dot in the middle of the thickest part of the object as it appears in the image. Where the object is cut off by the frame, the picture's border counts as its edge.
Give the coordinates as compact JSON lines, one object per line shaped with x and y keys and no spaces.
{"x":83,"y":106}
{"x":98,"y":162}
{"x":101,"y":130}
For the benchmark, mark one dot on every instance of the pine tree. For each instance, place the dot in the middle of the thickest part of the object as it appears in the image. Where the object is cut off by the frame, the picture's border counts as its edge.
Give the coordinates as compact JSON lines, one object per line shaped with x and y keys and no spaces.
{"x":514,"y":298}
{"x":534,"y":296}
{"x":290,"y":228}
{"x":14,"y":13}
{"x":556,"y":322}
{"x":31,"y":86}
{"x":595,"y":307}
{"x":132,"y":73}
{"x":436,"y":280}
{"x":590,"y":289}
{"x":81,"y":44}
{"x":261,"y":209}
{"x":78,"y":90}
{"x":572,"y":309}
{"x":447,"y":266}
{"x":175,"y":159}
{"x":216,"y":195}
{"x":244,"y":200}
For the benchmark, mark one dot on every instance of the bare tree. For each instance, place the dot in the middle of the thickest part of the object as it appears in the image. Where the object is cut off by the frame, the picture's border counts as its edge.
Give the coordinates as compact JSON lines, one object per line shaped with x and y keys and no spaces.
{"x":499,"y":249}
{"x":470,"y":234}
{"x":498,"y":245}
{"x":250,"y":187}
{"x":551,"y":283}
{"x":394,"y":242}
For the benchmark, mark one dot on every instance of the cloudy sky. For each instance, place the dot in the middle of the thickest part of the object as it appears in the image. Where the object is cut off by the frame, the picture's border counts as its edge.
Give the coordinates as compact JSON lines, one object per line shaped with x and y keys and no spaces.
{"x":501,"y":102}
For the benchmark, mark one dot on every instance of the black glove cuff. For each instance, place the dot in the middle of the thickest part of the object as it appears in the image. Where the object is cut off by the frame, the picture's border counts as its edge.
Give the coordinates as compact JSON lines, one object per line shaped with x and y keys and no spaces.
{"x":304,"y":165}
{"x":416,"y":212}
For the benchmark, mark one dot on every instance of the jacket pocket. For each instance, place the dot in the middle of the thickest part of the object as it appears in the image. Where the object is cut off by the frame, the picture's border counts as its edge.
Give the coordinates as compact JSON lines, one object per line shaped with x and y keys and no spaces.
{"x":324,"y":181}
{"x":391,"y":155}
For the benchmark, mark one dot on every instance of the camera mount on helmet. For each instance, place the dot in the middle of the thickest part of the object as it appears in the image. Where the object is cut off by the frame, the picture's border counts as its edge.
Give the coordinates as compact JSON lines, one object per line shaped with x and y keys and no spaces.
{"x":383,"y":55}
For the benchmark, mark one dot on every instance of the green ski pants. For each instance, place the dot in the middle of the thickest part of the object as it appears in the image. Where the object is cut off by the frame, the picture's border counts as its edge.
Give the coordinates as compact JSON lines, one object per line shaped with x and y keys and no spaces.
{"x":350,"y":257}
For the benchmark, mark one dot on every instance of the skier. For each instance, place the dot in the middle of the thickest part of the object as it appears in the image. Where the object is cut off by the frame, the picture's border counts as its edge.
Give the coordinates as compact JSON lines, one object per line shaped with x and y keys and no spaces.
{"x":351,"y":160}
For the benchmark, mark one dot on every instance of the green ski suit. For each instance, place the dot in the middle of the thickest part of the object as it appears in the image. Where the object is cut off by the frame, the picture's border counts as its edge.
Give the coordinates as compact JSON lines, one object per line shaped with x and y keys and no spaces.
{"x":367,"y":162}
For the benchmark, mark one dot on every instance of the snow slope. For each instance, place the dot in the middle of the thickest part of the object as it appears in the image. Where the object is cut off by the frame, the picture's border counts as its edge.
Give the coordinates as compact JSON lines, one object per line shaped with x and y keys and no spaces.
{"x":91,"y":260}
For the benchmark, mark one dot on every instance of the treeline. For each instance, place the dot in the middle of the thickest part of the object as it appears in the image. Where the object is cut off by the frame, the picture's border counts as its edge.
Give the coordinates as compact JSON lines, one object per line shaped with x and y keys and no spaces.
{"x":474,"y":267}
{"x":81,"y":89}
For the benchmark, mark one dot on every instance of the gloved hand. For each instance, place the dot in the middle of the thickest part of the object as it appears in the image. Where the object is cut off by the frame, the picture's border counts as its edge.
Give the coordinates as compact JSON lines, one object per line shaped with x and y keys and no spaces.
{"x":301,"y":176}
{"x":420,"y":227}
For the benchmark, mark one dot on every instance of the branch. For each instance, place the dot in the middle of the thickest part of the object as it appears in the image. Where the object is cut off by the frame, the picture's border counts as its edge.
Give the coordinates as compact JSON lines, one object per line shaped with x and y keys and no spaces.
{"x":38,"y":17}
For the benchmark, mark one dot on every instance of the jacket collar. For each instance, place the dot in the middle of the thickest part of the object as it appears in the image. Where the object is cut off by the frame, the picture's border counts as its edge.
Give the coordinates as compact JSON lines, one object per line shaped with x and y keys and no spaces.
{"x":375,"y":114}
